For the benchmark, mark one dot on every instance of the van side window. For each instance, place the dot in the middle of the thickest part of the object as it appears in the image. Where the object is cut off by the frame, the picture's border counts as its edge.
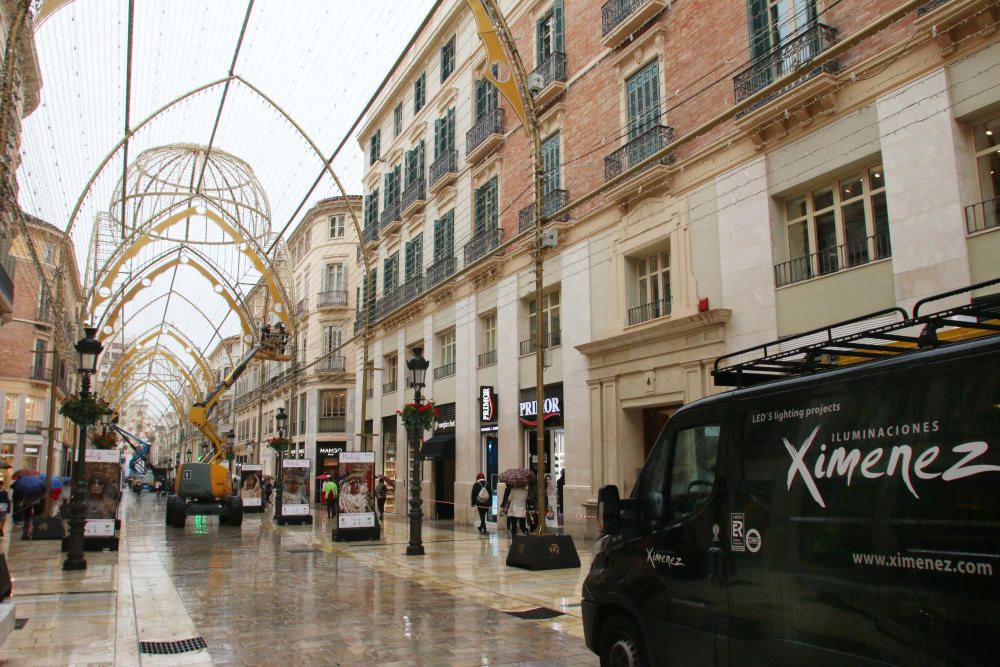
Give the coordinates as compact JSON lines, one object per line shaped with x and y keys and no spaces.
{"x":652,"y":485}
{"x":692,"y":475}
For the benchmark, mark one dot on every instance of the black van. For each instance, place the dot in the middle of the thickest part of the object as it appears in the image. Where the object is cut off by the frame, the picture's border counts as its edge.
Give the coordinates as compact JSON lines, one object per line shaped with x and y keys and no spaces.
{"x":841,"y":506}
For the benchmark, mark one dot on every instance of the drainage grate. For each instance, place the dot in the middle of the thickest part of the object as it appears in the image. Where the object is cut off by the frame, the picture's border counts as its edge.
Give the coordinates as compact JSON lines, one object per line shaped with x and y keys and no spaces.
{"x":20,"y":623}
{"x":303,"y":551}
{"x":536,"y":614}
{"x":171,"y":648}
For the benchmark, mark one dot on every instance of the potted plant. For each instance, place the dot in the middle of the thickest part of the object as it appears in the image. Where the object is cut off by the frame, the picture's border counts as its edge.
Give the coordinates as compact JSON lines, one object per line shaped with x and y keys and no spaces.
{"x":104,"y":440}
{"x":419,"y":417}
{"x":278,"y":444}
{"x":84,"y":411}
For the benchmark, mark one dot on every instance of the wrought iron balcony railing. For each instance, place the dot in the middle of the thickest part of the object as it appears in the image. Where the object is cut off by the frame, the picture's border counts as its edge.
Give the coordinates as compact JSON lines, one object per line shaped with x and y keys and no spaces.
{"x":333,"y":298}
{"x":446,"y":164}
{"x":487,"y":359}
{"x":444,"y":371}
{"x":637,"y":150}
{"x":982,"y":216}
{"x":414,"y":192}
{"x":552,"y":69}
{"x":491,"y":123}
{"x":929,"y":7}
{"x":390,"y":214}
{"x":785,"y":58}
{"x":649,"y":311}
{"x":302,"y":306}
{"x":32,"y":426}
{"x":390,"y":301}
{"x":614,"y":12}
{"x":413,"y":287}
{"x":482,"y":244}
{"x":332,"y":363}
{"x":10,"y":426}
{"x":551,"y":339}
{"x":551,"y":202}
{"x":440,"y":270}
{"x":371,"y":233}
{"x":388,"y":387}
{"x":41,"y":373}
{"x":831,"y":260}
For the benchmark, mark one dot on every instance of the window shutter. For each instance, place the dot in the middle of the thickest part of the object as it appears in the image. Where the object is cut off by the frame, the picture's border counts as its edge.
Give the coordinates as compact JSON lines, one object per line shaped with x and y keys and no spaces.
{"x":539,"y":29}
{"x":557,"y":27}
{"x":420,"y":159}
{"x":438,"y":137}
{"x":550,"y":164}
{"x":450,"y":128}
{"x":644,"y":100}
{"x":760,"y":34}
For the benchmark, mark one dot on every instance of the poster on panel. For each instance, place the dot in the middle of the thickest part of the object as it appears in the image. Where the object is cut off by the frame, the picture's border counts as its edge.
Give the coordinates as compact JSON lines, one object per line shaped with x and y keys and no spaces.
{"x":356,"y":481}
{"x":251,"y":485}
{"x":295,"y":496}
{"x":102,"y":470}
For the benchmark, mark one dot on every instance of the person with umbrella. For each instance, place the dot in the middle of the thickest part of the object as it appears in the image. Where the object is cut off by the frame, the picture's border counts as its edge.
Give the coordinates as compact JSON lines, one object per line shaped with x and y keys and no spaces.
{"x":29,"y":490}
{"x":515,"y":498}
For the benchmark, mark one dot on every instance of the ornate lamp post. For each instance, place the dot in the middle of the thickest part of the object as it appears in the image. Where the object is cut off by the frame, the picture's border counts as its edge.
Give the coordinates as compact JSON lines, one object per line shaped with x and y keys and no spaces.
{"x":231,"y":452}
{"x":417,"y":367}
{"x":88,"y":348}
{"x":281,"y":419}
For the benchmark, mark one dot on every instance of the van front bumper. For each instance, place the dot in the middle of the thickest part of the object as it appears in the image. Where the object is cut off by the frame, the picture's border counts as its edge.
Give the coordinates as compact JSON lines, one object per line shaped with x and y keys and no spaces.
{"x":589,"y":610}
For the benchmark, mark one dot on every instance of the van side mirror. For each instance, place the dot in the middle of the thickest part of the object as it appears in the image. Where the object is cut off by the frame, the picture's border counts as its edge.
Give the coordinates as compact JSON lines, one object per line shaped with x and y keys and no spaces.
{"x":609,"y":510}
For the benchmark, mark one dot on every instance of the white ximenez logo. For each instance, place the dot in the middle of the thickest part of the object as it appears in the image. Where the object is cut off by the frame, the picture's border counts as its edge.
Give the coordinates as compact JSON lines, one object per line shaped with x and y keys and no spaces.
{"x":843,"y":462}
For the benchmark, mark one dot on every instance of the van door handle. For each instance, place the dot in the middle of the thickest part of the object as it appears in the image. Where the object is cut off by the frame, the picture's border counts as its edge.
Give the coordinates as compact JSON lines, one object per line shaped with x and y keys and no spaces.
{"x":715,"y":565}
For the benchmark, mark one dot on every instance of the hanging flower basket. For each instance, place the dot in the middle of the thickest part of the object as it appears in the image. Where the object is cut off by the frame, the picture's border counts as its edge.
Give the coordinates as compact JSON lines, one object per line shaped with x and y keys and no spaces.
{"x":419,"y":417}
{"x":278,"y":443}
{"x":104,"y":440}
{"x":84,"y":411}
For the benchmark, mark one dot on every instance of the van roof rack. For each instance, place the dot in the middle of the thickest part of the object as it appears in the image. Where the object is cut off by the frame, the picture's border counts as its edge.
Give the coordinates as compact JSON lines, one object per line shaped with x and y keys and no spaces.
{"x":879,"y":335}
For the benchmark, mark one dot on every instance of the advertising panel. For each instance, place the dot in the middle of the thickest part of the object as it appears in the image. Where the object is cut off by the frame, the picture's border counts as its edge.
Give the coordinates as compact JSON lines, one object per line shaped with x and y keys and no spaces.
{"x":102,"y":471}
{"x":251,"y":485}
{"x":356,"y":480}
{"x":295,"y":496}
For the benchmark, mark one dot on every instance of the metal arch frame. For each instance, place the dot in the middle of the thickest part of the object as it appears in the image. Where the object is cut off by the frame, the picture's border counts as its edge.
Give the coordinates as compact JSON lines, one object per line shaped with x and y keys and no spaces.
{"x":168,"y":329}
{"x":107,"y":275}
{"x":174,"y":403}
{"x":119,"y":372}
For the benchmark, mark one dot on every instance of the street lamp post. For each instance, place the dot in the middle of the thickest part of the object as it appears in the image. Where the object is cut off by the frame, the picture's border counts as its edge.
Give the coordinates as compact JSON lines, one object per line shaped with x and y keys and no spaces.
{"x":417,"y":367}
{"x":280,"y":419}
{"x":89,"y":348}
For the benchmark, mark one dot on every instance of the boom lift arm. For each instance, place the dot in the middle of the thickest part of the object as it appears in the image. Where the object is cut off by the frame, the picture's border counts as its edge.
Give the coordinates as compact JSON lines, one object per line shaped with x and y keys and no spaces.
{"x":270,"y":347}
{"x":139,"y":463}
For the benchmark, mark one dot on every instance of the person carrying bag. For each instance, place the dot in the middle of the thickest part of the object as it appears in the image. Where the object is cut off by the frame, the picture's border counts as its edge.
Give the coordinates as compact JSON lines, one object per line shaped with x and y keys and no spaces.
{"x":482,"y":500}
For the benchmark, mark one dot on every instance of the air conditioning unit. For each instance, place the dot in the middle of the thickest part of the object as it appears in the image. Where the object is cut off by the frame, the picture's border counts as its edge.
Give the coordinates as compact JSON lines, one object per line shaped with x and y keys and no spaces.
{"x":535,"y":83}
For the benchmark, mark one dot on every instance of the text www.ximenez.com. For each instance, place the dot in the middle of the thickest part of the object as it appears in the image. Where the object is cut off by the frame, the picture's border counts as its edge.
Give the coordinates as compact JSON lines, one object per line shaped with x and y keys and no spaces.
{"x":899,"y":561}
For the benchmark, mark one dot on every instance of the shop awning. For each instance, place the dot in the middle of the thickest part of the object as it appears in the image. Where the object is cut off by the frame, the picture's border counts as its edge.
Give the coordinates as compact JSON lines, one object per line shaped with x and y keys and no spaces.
{"x":439,"y":447}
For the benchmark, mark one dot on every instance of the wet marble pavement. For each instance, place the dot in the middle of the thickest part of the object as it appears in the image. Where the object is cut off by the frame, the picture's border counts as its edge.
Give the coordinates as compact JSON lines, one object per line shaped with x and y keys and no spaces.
{"x":265,"y":595}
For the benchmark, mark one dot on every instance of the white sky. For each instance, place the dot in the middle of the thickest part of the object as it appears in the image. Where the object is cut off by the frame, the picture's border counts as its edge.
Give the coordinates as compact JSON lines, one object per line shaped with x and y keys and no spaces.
{"x":319,"y":59}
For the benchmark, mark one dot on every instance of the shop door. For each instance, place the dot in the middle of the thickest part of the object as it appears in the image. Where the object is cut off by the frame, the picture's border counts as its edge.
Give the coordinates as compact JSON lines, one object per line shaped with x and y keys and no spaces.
{"x":532,"y":444}
{"x":444,"y":488}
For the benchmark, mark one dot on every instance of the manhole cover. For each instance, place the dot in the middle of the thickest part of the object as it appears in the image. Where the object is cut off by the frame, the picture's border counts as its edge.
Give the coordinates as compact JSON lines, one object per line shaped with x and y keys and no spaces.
{"x":171,"y":648}
{"x":20,"y":623}
{"x":536,"y":614}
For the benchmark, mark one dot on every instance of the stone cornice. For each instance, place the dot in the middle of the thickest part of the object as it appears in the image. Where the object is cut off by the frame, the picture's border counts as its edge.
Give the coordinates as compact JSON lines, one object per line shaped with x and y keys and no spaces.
{"x":661,"y":331}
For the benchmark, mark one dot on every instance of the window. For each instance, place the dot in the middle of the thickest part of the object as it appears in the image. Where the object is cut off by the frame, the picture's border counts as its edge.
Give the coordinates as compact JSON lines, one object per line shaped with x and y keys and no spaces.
{"x":692,"y":474}
{"x":332,"y":403}
{"x":397,"y":120}
{"x":652,"y":288}
{"x":50,"y":253}
{"x":414,"y":257}
{"x":375,"y":148}
{"x":333,"y":338}
{"x":371,"y":209}
{"x":336,"y":226}
{"x":333,"y":278}
{"x":486,"y":98}
{"x":390,"y":373}
{"x":391,"y":180}
{"x":987,"y":143}
{"x":836,"y":226}
{"x":549,"y":32}
{"x":490,"y":332}
{"x":486,"y":207}
{"x":43,"y":304}
{"x":390,"y":272}
{"x":368,"y":290}
{"x":10,"y":407}
{"x":39,"y":361}
{"x":444,"y":236}
{"x":414,"y":164}
{"x":446,"y":348}
{"x":444,"y":134}
{"x":447,"y":58}
{"x":775,"y":22}
{"x":644,"y":100}
{"x":550,"y":319}
{"x":32,"y":409}
{"x":419,"y":92}
{"x":550,"y":164}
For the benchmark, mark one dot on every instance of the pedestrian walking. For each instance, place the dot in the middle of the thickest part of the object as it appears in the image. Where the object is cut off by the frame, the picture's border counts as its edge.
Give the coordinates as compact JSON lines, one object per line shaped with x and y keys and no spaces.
{"x":515,"y":504}
{"x":330,"y":493}
{"x":268,"y":490}
{"x":482,"y":500}
{"x":381,"y":493}
{"x":4,"y":507}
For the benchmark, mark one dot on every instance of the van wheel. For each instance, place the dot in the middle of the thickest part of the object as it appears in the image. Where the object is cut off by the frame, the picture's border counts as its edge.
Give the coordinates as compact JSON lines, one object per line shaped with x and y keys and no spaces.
{"x":621,"y":644}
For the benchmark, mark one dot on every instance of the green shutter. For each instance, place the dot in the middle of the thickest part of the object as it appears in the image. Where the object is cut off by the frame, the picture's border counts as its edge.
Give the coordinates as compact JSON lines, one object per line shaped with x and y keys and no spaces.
{"x":438,"y":137}
{"x":420,"y":159}
{"x":557,"y":27}
{"x":539,"y":46}
{"x":450,"y":128}
{"x":644,"y":100}
{"x":550,"y":164}
{"x":760,"y":32}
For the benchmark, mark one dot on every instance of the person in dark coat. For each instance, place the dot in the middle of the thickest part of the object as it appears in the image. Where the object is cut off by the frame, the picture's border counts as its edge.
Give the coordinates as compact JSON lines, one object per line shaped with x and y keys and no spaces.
{"x":482,"y":500}
{"x":560,"y":483}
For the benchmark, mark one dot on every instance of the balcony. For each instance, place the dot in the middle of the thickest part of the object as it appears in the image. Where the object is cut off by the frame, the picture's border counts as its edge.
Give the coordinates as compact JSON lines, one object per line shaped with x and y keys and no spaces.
{"x":440,"y":270}
{"x":929,"y":7}
{"x":10,"y":426}
{"x":32,"y":426}
{"x":444,"y":371}
{"x":414,"y":197}
{"x":831,"y":260}
{"x":331,"y":424}
{"x":643,"y":146}
{"x":648,"y":311}
{"x":413,"y":287}
{"x":796,"y":53}
{"x":371,"y":234}
{"x":444,"y":170}
{"x":41,"y":373}
{"x":982,"y":216}
{"x":487,"y":359}
{"x":43,"y":315}
{"x":332,"y":363}
{"x":527,"y":347}
{"x":551,"y":202}
{"x":302,"y":307}
{"x":333,"y":299}
{"x":620,"y":18}
{"x":552,"y":71}
{"x":391,"y":219}
{"x":389,"y":387}
{"x":390,"y":301}
{"x":482,"y":245}
{"x":484,"y":136}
